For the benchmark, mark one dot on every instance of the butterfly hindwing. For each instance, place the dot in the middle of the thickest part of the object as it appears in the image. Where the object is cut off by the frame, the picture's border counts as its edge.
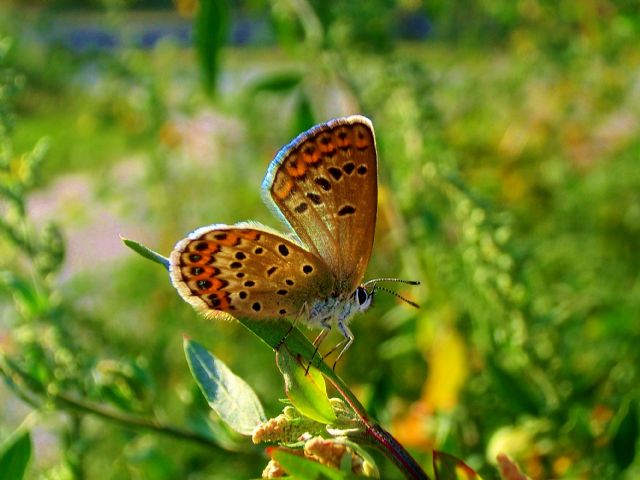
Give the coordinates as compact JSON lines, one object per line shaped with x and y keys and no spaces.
{"x":325,"y":184}
{"x":246,"y":270}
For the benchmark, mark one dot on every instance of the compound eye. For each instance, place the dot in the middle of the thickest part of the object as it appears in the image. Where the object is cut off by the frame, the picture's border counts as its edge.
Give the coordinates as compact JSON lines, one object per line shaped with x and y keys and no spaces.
{"x":361,"y":295}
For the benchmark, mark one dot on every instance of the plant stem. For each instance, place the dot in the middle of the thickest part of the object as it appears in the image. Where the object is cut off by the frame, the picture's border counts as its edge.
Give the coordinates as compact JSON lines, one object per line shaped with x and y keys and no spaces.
{"x":131,"y":421}
{"x":272,"y":333}
{"x":28,"y":387}
{"x":382,"y":439}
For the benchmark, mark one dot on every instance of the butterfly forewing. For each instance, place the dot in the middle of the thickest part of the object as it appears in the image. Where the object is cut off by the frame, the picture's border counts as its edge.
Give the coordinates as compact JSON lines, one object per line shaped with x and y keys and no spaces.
{"x":325,"y":185}
{"x":247,"y":271}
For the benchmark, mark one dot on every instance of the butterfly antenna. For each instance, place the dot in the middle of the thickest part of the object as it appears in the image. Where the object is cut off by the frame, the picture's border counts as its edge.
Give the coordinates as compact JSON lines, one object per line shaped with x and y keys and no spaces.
{"x":376,"y":281}
{"x":395,"y":294}
{"x":397,"y":280}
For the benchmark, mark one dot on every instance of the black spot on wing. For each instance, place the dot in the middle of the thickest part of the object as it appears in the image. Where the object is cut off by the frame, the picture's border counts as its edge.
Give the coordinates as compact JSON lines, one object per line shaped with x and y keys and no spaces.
{"x":348,"y":168}
{"x":335,"y":172}
{"x":346,"y":210}
{"x":302,"y":207}
{"x":323,"y":183}
{"x":314,"y":197}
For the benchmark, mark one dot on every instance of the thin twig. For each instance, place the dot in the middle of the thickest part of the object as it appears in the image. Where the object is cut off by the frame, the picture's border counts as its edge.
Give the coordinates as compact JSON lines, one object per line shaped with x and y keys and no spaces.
{"x":273,"y":333}
{"x":131,"y":421}
{"x":382,"y":439}
{"x":20,"y":381}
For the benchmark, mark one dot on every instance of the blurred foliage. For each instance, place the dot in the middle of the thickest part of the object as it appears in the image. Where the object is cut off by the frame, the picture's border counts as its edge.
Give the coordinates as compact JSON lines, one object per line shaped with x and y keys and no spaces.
{"x":509,"y":146}
{"x":210,"y":31}
{"x":15,"y":453}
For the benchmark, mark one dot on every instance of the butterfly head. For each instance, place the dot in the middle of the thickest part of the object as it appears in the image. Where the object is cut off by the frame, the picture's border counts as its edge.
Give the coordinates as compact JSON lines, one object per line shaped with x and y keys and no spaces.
{"x":362,"y":298}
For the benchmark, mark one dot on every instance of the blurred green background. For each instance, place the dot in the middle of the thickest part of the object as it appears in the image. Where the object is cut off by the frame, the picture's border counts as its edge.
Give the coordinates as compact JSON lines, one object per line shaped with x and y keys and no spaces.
{"x":509,"y":144}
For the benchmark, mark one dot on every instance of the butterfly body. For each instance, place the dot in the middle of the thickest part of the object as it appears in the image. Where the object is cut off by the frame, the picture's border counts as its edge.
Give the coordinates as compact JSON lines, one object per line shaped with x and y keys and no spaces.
{"x":324,"y":185}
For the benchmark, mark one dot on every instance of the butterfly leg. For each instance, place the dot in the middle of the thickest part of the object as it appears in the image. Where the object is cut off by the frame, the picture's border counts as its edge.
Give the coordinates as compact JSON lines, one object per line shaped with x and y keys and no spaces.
{"x":343,"y":345}
{"x":304,"y":310}
{"x":318,"y":340}
{"x":326,"y":328}
{"x":317,"y":343}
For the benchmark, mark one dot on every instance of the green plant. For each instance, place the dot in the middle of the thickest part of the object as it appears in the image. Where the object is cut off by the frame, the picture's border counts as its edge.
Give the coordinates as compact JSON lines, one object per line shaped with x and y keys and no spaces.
{"x":344,"y":421}
{"x":508,"y":147}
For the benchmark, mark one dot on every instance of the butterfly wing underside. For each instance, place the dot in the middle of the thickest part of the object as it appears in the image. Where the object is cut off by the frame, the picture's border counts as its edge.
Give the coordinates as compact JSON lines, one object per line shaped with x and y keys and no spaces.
{"x":325,"y":185}
{"x":246,"y":271}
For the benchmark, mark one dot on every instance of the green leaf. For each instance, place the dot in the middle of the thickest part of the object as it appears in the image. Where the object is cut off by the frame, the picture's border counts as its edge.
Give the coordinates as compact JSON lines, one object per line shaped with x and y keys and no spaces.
{"x":515,"y":388}
{"x":211,"y":426}
{"x":306,"y":390}
{"x":211,"y":26}
{"x":15,"y":453}
{"x":273,"y":332}
{"x":448,"y":467}
{"x":286,"y":22}
{"x":278,"y":82}
{"x":146,"y":252}
{"x":228,"y":395}
{"x":304,"y":118}
{"x":301,"y":467}
{"x":625,"y":439}
{"x":26,"y":295}
{"x":359,"y":449}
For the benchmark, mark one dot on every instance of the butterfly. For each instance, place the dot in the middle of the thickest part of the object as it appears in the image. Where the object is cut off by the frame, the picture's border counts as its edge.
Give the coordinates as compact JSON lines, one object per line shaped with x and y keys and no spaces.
{"x":324,"y":186}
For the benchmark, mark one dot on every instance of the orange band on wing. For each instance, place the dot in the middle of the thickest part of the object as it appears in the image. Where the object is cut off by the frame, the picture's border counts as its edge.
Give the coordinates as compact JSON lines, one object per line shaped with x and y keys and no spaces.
{"x":325,"y":143}
{"x":200,"y":272}
{"x":361,"y":137}
{"x":343,"y":138}
{"x":196,"y":258}
{"x":283,"y":189}
{"x":250,"y":234}
{"x":219,"y":301}
{"x":309,"y":153}
{"x":295,"y":168}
